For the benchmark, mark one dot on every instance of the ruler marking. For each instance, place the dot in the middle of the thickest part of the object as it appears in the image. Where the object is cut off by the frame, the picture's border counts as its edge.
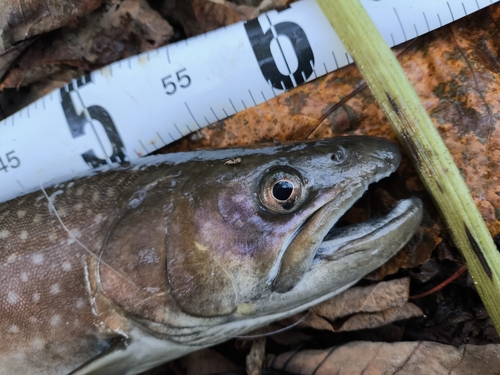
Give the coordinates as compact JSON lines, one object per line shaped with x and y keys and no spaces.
{"x":263,"y":96}
{"x":335,"y":59}
{"x":272,"y":89}
{"x":214,"y":113}
{"x":400,"y":24}
{"x":426,"y":22}
{"x":171,"y":136}
{"x":191,"y":113}
{"x":168,"y":54}
{"x":223,"y":110}
{"x":242,"y":102}
{"x":161,"y":139}
{"x":43,"y":102}
{"x":178,"y":129}
{"x":19,"y":182}
{"x":439,"y":19}
{"x":187,"y":126}
{"x":252,"y":97}
{"x":144,"y":147}
{"x":230,"y":101}
{"x":137,"y":153}
{"x":28,"y":111}
{"x":451,"y":12}
{"x":347,"y":58}
{"x":393,"y":42}
{"x":326,"y":70}
{"x":154,"y":145}
{"x":465,"y":10}
{"x":416,"y":31}
{"x":208,"y":123}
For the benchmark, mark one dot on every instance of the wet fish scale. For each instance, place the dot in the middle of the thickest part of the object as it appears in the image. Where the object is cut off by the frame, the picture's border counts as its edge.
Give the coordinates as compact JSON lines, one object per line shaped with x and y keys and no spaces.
{"x":45,"y":292}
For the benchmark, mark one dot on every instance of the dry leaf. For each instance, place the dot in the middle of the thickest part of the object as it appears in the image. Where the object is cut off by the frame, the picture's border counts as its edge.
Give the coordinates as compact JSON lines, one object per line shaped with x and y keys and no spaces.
{"x":109,"y":34}
{"x":381,"y":318}
{"x":404,"y":358}
{"x":23,"y":19}
{"x":371,"y":298}
{"x":255,"y":358}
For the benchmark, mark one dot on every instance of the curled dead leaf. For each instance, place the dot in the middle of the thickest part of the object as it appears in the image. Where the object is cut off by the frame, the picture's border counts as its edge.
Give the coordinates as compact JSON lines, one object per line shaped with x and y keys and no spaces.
{"x":403,"y":358}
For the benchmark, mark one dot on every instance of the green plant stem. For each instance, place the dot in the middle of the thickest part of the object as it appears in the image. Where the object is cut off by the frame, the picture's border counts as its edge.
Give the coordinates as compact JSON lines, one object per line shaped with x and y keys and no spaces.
{"x":415,"y":130}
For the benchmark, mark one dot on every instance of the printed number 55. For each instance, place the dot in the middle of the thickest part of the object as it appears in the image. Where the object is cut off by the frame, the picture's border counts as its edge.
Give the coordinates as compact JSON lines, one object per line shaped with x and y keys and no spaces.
{"x":183,"y":80}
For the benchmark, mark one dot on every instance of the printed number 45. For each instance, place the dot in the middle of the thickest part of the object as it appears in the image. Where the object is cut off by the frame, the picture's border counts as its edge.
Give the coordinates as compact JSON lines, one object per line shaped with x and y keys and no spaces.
{"x":12,"y":161}
{"x":170,"y":84}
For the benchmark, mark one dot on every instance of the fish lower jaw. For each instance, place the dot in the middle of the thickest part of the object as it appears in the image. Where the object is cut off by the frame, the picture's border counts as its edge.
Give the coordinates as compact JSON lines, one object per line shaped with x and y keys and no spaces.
{"x":368,"y":237}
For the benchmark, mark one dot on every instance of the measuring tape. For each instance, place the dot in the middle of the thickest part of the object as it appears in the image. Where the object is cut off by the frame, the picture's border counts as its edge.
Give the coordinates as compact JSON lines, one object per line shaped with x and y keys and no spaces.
{"x":135,"y":106}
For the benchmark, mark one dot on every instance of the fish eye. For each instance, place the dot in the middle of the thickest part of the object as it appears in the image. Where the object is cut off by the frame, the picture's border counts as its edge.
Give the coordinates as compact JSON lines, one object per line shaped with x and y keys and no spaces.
{"x":282,"y":190}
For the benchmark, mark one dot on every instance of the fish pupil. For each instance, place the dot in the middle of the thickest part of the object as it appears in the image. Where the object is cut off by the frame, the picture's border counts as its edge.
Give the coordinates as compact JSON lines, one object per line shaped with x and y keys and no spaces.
{"x":282,"y":190}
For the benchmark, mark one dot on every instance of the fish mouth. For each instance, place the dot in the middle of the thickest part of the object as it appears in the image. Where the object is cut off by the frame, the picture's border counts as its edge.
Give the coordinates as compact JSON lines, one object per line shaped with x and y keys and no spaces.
{"x":318,"y":242}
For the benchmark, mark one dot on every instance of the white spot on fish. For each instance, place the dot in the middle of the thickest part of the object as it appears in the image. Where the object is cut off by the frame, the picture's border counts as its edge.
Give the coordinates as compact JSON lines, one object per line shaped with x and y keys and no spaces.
{"x":24,"y":277}
{"x":11,"y":258}
{"x":79,"y":191}
{"x":37,"y":219}
{"x":14,"y":329}
{"x":54,"y":289}
{"x":37,"y":259}
{"x":36,"y":297}
{"x":24,"y":235}
{"x":71,"y":184}
{"x":66,"y":266}
{"x":52,"y":237}
{"x":12,"y":297}
{"x":95,"y":196}
{"x":32,"y":319}
{"x":98,"y":219}
{"x":55,"y":320}
{"x":78,"y":206}
{"x":21,"y":214}
{"x":79,"y":303}
{"x":74,"y":234}
{"x":4,"y":233}
{"x":37,"y":344}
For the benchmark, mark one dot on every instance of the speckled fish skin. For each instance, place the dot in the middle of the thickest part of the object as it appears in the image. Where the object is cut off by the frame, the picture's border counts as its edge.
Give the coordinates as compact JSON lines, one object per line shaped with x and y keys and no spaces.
{"x":120,"y":271}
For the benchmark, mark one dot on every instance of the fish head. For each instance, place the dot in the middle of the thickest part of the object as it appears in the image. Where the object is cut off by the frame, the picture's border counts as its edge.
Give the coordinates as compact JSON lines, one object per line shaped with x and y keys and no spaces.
{"x":226,"y":247}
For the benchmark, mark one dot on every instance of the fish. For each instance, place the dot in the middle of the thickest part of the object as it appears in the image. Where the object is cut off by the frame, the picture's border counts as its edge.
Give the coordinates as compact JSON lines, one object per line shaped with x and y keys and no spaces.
{"x":125,"y":269}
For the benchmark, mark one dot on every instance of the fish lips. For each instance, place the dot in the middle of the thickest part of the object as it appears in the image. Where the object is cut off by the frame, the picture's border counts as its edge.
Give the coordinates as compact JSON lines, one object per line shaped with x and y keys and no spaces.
{"x":379,"y":238}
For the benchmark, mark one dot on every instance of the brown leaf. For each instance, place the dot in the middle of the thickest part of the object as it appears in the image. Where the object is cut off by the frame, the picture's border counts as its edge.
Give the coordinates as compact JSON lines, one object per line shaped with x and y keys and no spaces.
{"x":371,"y":298}
{"x":21,"y":20}
{"x":255,"y":358}
{"x":381,"y":318}
{"x":370,"y":306}
{"x":404,"y":358}
{"x":108,"y":34}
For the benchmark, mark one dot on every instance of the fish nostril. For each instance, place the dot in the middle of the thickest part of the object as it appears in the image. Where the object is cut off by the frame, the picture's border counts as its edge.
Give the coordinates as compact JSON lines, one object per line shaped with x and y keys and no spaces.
{"x":339,"y":156}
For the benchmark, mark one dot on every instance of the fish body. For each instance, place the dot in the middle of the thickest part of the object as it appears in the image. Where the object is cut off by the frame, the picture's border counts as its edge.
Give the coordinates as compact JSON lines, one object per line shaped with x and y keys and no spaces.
{"x":123,"y":270}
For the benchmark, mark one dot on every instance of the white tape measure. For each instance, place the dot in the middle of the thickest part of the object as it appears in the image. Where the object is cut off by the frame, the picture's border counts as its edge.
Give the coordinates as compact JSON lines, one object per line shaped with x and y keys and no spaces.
{"x":135,"y":106}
